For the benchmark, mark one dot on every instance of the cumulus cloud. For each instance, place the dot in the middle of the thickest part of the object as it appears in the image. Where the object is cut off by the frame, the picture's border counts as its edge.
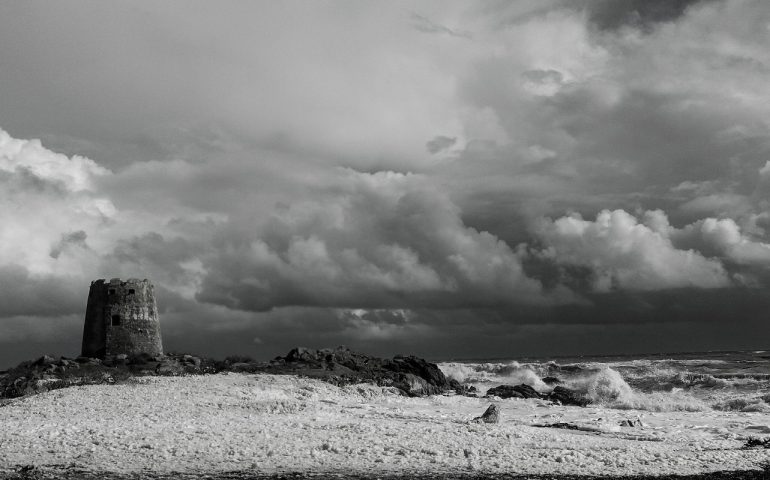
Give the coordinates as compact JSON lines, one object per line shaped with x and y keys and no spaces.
{"x":224,"y":183}
{"x":48,"y":206}
{"x":380,"y":240}
{"x":72,"y":174}
{"x":622,"y":253}
{"x":723,"y":238}
{"x":61,"y":230}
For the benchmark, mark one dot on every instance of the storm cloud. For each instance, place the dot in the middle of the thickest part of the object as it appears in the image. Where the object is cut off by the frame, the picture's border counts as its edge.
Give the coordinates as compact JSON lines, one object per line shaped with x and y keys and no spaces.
{"x":377,"y":240}
{"x":453,"y":178}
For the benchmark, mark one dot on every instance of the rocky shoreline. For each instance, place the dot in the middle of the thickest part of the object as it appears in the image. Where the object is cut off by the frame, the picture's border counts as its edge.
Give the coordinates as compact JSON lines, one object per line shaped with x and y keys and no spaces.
{"x":171,"y":417}
{"x":409,"y":375}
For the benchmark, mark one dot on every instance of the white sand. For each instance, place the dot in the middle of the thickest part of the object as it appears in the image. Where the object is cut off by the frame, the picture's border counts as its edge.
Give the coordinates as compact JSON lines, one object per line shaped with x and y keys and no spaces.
{"x":273,"y":424}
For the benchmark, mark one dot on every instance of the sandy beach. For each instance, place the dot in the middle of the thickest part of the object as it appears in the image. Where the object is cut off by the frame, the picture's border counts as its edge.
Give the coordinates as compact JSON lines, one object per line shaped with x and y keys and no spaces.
{"x":267,"y":425}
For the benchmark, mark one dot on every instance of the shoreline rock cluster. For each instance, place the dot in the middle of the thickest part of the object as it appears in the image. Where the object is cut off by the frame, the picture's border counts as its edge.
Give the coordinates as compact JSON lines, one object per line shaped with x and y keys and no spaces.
{"x":560,"y":394}
{"x":413,"y":376}
{"x":409,"y":375}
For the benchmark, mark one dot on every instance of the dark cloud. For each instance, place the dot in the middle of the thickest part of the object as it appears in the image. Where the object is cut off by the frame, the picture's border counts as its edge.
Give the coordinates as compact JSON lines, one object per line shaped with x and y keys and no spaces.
{"x":152,"y":253}
{"x":75,"y":239}
{"x":382,"y":240}
{"x":22,"y":293}
{"x":644,"y":14}
{"x":577,"y":175}
{"x":440,"y":143}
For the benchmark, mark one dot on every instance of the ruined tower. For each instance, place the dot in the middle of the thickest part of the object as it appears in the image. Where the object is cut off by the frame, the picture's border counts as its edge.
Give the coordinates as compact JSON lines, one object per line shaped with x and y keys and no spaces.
{"x":121,"y":317}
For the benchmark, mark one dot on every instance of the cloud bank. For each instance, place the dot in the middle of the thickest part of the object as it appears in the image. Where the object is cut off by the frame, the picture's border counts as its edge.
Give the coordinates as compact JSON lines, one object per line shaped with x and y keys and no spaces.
{"x":497,"y":172}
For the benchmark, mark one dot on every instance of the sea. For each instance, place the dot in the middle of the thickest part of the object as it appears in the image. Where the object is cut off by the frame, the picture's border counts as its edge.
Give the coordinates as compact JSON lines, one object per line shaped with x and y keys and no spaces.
{"x":728,"y":381}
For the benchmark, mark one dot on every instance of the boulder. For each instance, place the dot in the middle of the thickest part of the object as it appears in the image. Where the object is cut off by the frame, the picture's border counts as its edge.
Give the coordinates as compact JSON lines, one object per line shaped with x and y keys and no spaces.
{"x":414,"y":386}
{"x":65,"y":363}
{"x":637,"y":422}
{"x":169,"y":366}
{"x":503,"y":391}
{"x":513,"y":391}
{"x":191,"y":361}
{"x":419,"y":367}
{"x":44,"y":360}
{"x":551,"y":380}
{"x":302,"y":354}
{"x":460,"y":389}
{"x":491,"y":415}
{"x":565,"y":396}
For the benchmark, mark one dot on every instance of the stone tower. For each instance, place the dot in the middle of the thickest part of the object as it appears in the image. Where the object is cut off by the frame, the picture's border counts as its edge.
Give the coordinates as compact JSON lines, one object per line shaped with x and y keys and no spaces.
{"x":121,"y":317}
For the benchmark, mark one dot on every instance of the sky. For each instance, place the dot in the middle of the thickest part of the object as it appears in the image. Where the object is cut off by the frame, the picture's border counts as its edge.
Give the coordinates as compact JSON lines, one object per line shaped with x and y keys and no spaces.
{"x":443,"y":178}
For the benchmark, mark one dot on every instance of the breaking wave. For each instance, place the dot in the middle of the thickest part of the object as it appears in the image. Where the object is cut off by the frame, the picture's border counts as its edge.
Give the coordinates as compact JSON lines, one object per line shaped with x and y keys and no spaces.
{"x":736,"y":383}
{"x":608,"y":388}
{"x":512,"y":373}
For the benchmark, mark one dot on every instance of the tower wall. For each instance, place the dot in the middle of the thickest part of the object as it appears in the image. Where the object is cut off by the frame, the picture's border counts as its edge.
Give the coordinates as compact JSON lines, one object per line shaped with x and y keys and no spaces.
{"x":121,"y":317}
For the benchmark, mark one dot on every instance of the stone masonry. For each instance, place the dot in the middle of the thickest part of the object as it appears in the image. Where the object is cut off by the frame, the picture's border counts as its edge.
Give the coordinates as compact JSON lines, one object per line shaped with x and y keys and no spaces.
{"x":121,"y":318}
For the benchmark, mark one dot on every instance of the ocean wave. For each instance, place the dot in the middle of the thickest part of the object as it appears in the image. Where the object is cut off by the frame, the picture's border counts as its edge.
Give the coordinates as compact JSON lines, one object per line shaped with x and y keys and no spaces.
{"x":653,"y":385}
{"x":608,"y":388}
{"x":742,"y":404}
{"x":511,"y":373}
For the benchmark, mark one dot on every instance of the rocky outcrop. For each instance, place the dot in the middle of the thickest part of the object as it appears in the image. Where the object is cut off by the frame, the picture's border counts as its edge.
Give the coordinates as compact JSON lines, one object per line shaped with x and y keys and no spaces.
{"x":411,"y":375}
{"x":560,"y":395}
{"x":513,"y":391}
{"x":49,"y":373}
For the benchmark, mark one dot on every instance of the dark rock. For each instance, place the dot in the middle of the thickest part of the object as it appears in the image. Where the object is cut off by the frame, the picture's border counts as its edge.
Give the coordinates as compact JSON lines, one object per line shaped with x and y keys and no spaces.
{"x":754,"y":442}
{"x":243,"y":367}
{"x":411,"y":375}
{"x":513,"y":391}
{"x":415,"y":386}
{"x":491,"y":415}
{"x":565,"y":396}
{"x":632,"y":423}
{"x":230,"y":359}
{"x":65,"y":363}
{"x":92,"y":361}
{"x":503,"y":391}
{"x":192,"y":361}
{"x":44,"y":360}
{"x":460,"y":389}
{"x":302,"y":354}
{"x":341,"y":366}
{"x":551,"y":380}
{"x":419,"y":367}
{"x":527,"y":391}
{"x":169,"y":366}
{"x":140,"y":359}
{"x":53,"y":368}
